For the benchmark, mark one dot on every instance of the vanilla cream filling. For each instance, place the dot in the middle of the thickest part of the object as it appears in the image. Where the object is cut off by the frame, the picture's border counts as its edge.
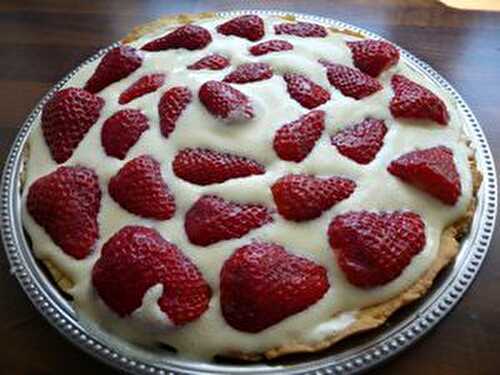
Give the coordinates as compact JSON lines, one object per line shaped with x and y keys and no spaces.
{"x":376,"y":189}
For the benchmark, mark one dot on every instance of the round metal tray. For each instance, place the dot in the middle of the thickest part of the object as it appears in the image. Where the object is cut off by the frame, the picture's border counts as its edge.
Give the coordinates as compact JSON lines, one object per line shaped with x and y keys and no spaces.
{"x":354,"y":355}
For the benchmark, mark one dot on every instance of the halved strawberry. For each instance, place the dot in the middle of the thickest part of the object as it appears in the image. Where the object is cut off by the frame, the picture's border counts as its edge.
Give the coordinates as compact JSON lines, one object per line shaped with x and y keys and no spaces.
{"x":249,"y":72}
{"x":117,"y":64}
{"x":173,"y":102}
{"x":142,"y":86}
{"x":431,"y":170}
{"x":191,"y":37}
{"x":211,"y":62}
{"x":373,"y":56}
{"x":137,"y":258}
{"x":139,"y":188}
{"x":66,"y":118}
{"x":269,"y":46}
{"x":373,"y":249}
{"x":250,"y":27}
{"x":416,"y":102}
{"x":205,"y":167}
{"x":303,"y":197}
{"x":212,"y":219}
{"x":225,"y":102}
{"x":262,"y":284}
{"x":122,"y":130}
{"x":309,"y":94}
{"x":66,"y":203}
{"x":350,"y":82}
{"x":361,"y":142}
{"x":295,"y":140}
{"x":303,"y":29}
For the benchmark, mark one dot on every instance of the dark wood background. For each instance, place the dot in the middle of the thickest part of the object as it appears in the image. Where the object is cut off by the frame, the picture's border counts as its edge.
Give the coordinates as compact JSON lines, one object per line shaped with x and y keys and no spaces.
{"x":42,"y":40}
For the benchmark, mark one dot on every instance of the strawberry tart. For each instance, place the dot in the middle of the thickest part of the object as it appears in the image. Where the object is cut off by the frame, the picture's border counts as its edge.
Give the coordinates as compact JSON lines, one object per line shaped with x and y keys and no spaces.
{"x":247,"y":187}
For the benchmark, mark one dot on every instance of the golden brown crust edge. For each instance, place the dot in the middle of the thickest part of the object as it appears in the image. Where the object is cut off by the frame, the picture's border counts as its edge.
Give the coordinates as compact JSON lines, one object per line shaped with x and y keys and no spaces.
{"x":374,"y":316}
{"x":180,"y":19}
{"x":368,"y":318}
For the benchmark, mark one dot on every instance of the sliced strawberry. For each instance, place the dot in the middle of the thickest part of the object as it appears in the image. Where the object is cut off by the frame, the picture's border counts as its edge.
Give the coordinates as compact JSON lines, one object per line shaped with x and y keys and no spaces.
{"x":295,"y":140}
{"x":350,"y":82}
{"x":142,"y":86}
{"x":117,"y":64}
{"x":269,"y":46}
{"x":191,"y":37}
{"x":374,"y":248}
{"x":173,"y":102}
{"x":303,"y":29}
{"x":250,"y":27}
{"x":139,"y":188}
{"x":373,"y":56}
{"x":262,"y":284}
{"x":361,"y":142}
{"x":137,"y":258}
{"x":66,"y":203}
{"x":250,"y":72}
{"x":309,"y":94}
{"x":205,"y":167}
{"x":414,"y":101}
{"x":66,"y":118}
{"x":302,"y":197}
{"x":210,"y":62}
{"x":431,"y":170}
{"x":122,"y":130}
{"x":212,"y":219}
{"x":225,"y":102}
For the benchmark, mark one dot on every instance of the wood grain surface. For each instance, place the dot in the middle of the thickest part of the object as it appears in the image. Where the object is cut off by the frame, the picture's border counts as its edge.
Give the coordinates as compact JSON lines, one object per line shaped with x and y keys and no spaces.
{"x":40,"y":41}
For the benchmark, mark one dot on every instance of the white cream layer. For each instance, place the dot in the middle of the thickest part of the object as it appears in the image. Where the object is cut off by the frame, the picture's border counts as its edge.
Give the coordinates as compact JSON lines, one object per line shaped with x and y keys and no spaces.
{"x":376,"y":189}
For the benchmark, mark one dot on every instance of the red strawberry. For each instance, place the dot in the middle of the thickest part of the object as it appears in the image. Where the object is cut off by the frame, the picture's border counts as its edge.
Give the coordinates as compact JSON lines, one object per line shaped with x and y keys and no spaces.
{"x":66,"y":118}
{"x":212,"y":219}
{"x":269,"y":46}
{"x":262,"y":284}
{"x":351,"y":82}
{"x":374,"y":248}
{"x":303,"y":29}
{"x":173,"y":102}
{"x":431,"y":170}
{"x":361,"y":142}
{"x":250,"y":27}
{"x":295,"y":140}
{"x":225,"y":102}
{"x":66,"y":203}
{"x":122,"y":130}
{"x":140,"y":189}
{"x":211,"y":62}
{"x":414,"y":101}
{"x":142,"y":86}
{"x":191,"y":37}
{"x":117,"y":64}
{"x":250,"y":72}
{"x":302,"y":197}
{"x":137,"y":258}
{"x":306,"y":92}
{"x":373,"y":56}
{"x":205,"y":167}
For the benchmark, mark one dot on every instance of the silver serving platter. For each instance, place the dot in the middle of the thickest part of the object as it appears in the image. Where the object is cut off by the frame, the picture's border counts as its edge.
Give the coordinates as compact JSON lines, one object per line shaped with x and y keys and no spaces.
{"x":352,"y":356}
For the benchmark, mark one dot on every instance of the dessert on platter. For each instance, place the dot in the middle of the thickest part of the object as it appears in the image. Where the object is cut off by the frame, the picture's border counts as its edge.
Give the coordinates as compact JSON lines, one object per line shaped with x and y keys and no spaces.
{"x":246,"y":187}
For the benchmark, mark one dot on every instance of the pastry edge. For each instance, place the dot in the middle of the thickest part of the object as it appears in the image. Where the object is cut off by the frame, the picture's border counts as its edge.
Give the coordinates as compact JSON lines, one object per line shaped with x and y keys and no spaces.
{"x":185,"y":18}
{"x":367,"y":318}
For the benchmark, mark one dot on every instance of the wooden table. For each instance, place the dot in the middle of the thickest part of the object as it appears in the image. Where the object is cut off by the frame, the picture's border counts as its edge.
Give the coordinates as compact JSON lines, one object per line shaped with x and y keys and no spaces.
{"x":42,"y":40}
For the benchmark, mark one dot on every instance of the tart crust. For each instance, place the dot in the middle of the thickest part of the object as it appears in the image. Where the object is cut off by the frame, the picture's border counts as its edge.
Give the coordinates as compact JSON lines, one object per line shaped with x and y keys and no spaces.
{"x":367,"y":318}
